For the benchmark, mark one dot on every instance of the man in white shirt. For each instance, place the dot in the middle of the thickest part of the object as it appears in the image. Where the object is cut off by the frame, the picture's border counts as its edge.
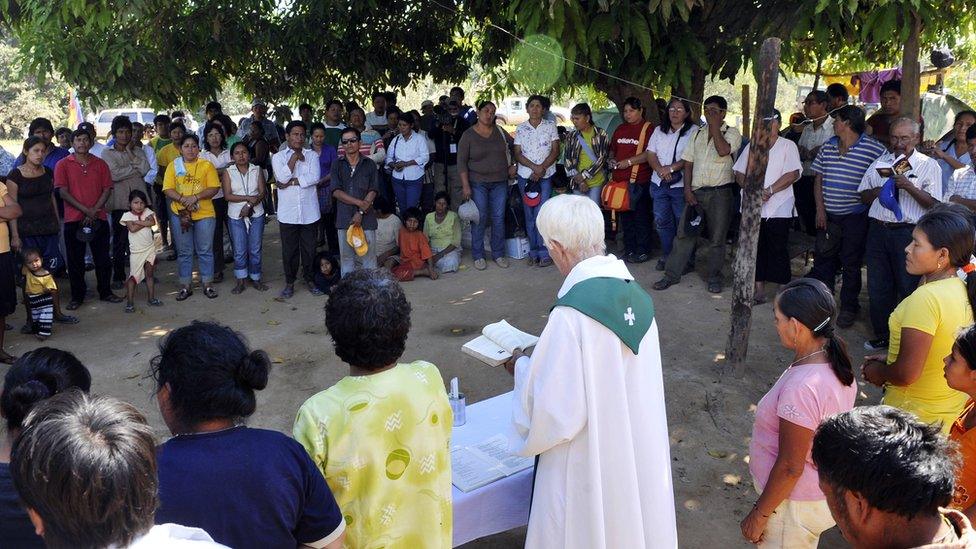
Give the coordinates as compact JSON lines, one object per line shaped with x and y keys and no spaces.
{"x":916,"y":190}
{"x":296,"y":171}
{"x":376,"y":119}
{"x":962,"y":184}
{"x":408,"y":155}
{"x":78,"y":452}
{"x":782,"y":171}
{"x":815,"y":134}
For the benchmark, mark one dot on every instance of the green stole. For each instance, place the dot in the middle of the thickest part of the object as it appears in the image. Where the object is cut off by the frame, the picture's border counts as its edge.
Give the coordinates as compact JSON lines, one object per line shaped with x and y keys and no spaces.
{"x":620,"y":305}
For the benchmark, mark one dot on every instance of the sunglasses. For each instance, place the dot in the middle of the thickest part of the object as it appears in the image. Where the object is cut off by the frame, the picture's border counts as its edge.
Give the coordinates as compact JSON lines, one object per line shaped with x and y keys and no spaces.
{"x":350,"y":140}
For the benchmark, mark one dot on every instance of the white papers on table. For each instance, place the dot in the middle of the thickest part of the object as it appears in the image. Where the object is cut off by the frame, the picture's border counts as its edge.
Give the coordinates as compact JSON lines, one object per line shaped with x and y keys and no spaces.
{"x":497,"y":342}
{"x":480,"y":464}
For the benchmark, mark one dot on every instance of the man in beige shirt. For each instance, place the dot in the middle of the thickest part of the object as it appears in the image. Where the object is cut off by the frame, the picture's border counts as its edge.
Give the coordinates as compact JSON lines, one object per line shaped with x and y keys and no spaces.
{"x":709,"y":193}
{"x":128,"y":166}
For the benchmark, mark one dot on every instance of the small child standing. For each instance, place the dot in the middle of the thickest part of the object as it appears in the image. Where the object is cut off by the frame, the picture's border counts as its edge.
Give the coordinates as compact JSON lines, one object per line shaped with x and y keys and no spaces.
{"x":328,"y":274}
{"x":42,"y":295}
{"x":142,"y":249}
{"x":416,"y":257}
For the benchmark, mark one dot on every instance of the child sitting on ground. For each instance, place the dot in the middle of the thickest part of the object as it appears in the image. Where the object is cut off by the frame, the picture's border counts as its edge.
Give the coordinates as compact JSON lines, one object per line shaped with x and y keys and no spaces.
{"x":142,"y":249}
{"x":416,"y":257}
{"x":328,"y":274}
{"x":41,"y":293}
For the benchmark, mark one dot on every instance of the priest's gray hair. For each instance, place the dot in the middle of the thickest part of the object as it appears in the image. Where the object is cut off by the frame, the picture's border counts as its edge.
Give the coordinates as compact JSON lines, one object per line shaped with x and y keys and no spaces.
{"x":913,"y":125}
{"x":575,"y":222}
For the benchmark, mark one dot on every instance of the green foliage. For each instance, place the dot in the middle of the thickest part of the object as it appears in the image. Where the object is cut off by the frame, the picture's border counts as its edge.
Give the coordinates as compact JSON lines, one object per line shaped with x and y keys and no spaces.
{"x":23,"y":97}
{"x":171,"y":52}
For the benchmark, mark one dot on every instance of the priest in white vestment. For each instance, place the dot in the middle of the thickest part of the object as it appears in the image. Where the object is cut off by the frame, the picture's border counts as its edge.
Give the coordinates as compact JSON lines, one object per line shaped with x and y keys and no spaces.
{"x":590,"y":400}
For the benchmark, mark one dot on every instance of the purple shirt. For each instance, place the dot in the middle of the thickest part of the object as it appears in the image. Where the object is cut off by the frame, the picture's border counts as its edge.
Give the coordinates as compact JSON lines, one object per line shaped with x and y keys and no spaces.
{"x":804,"y":395}
{"x":326,"y":157}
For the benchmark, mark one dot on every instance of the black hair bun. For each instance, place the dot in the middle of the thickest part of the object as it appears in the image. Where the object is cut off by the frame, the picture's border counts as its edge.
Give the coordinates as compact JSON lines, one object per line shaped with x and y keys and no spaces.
{"x":20,"y":399}
{"x":253,"y":370}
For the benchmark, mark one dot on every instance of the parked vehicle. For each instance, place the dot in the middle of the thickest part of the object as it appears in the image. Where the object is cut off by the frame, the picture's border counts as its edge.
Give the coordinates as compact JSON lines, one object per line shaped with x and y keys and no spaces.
{"x":103,"y":120}
{"x":511,"y":112}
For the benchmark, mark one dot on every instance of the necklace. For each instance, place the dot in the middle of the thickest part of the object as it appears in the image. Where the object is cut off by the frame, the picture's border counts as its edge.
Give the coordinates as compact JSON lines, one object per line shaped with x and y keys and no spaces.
{"x":802,"y":358}
{"x":208,"y":432}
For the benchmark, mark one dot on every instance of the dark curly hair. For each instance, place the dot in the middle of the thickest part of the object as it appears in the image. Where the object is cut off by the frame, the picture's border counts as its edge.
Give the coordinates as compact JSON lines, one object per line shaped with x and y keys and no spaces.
{"x":38,"y":375}
{"x":368,"y":317}
{"x":210,"y":371}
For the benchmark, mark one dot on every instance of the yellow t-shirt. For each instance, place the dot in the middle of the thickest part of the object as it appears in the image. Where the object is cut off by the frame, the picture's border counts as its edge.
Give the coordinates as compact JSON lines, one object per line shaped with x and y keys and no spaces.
{"x":382,"y":442}
{"x":167,"y":155}
{"x":37,"y":285}
{"x":600,"y":177}
{"x":941,"y":309}
{"x":200,"y":175}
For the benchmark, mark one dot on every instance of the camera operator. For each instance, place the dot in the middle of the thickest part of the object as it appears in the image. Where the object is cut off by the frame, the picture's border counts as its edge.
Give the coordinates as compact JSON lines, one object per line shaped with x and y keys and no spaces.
{"x":446,"y":132}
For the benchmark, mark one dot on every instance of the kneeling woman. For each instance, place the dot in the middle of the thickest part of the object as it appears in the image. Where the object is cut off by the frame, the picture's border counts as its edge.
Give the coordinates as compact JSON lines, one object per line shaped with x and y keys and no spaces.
{"x":792,"y":510}
{"x":245,"y":487}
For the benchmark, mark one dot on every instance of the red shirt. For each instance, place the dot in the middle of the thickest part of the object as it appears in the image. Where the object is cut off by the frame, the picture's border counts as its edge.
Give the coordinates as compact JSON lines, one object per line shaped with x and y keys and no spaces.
{"x":86,"y":184}
{"x":626,"y":143}
{"x":414,"y":248}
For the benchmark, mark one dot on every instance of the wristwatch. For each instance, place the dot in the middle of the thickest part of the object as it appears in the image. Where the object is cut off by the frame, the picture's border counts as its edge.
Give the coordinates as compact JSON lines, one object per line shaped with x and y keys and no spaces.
{"x":361,"y":212}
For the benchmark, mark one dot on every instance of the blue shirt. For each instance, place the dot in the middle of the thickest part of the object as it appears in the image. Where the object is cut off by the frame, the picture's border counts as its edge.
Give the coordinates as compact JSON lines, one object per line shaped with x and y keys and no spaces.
{"x":842,"y":173}
{"x":328,"y":155}
{"x":246,"y":488}
{"x":15,"y":526}
{"x":50,"y":161}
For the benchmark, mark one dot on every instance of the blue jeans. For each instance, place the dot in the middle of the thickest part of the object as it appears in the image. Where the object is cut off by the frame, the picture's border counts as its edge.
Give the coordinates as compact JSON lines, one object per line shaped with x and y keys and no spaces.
{"x":247,"y":247}
{"x":593,"y":193}
{"x":888,"y":280}
{"x":669,"y":204}
{"x":407,"y":193}
{"x":198,"y":239}
{"x":490,"y":199}
{"x":537,"y":249}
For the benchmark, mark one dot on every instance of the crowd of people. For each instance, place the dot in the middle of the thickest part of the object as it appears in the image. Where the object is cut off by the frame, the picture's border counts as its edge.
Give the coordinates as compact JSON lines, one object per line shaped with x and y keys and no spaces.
{"x":366,"y":200}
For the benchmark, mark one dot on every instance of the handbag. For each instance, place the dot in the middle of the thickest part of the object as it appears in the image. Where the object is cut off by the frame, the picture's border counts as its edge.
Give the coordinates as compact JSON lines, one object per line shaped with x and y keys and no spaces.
{"x":617,"y":196}
{"x":675,"y":176}
{"x":508,"y":152}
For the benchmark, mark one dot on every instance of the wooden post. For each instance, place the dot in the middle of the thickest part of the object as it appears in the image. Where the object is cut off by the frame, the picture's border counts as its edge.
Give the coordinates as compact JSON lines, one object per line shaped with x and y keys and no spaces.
{"x":744,"y":263}
{"x":746,"y":102}
{"x":911,"y":79}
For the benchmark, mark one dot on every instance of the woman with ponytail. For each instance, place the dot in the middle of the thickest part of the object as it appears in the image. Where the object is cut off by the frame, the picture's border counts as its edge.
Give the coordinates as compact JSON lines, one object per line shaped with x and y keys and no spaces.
{"x":34,"y":377}
{"x":924,"y":325}
{"x":245,"y":487}
{"x":792,"y":510}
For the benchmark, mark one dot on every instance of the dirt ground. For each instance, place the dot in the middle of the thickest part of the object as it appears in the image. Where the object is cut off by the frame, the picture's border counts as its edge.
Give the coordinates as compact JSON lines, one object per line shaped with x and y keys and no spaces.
{"x":709,"y":414}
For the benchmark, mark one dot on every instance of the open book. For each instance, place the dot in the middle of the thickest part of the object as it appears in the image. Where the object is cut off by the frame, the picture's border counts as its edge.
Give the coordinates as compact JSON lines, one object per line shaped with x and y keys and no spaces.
{"x":497,"y":341}
{"x":480,"y":464}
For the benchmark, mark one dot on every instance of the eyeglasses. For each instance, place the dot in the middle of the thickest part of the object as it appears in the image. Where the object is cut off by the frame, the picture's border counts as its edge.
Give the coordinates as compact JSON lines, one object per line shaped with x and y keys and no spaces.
{"x":676,"y":109}
{"x":350,"y":140}
{"x":714,"y":111}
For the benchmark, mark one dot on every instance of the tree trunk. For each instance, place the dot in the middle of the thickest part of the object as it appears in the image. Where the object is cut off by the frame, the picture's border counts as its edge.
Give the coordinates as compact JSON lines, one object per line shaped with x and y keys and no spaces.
{"x":910,"y":70}
{"x":697,"y":92}
{"x":746,"y":107}
{"x":618,"y":92}
{"x":744,"y":263}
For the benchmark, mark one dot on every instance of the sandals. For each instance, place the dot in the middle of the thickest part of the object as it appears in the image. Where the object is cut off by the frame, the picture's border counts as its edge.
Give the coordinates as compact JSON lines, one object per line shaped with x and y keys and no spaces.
{"x":312,"y":289}
{"x":664,"y":283}
{"x":27,"y":329}
{"x":240,"y":287}
{"x":182,"y":296}
{"x":286,"y":293}
{"x":66,"y":319}
{"x":210,"y":292}
{"x":73,"y":305}
{"x":111,"y":298}
{"x":7,"y":358}
{"x":155,"y":302}
{"x":259,"y":286}
{"x":218,"y":278}
{"x":130,"y":308}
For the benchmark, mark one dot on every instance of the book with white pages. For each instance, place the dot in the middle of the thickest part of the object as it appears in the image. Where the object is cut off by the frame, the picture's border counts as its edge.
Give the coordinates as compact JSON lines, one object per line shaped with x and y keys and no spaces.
{"x":497,"y":342}
{"x":481,"y":464}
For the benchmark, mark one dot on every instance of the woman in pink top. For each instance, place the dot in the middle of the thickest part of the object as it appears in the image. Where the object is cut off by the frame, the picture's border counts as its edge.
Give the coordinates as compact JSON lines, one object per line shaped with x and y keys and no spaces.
{"x":791,"y":510}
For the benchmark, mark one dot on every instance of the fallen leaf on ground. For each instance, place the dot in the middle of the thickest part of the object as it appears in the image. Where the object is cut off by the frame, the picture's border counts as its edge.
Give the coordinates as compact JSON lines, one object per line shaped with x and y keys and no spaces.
{"x":718,"y":454}
{"x":273,"y":323}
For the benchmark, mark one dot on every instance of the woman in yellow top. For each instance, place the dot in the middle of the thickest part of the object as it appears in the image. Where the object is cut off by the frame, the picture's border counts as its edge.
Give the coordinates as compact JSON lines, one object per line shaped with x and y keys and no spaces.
{"x":924,"y":325}
{"x":381,"y":435}
{"x":190,"y":183}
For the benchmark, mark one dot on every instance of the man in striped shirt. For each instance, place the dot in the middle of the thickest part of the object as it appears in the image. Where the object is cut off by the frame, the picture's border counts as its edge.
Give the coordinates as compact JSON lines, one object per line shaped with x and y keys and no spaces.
{"x":842,"y":219}
{"x":918,"y":189}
